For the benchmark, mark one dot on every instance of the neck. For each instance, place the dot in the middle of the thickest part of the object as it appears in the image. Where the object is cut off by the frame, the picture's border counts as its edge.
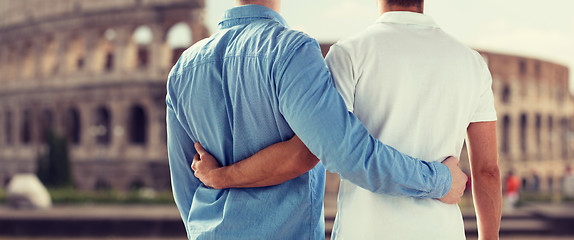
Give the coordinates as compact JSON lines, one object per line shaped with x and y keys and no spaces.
{"x":383,"y":8}
{"x":273,"y":4}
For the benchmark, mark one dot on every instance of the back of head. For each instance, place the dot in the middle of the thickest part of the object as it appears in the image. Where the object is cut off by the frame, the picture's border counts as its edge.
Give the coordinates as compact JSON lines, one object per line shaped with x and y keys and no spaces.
{"x":401,"y":5}
{"x":273,"y":4}
{"x":405,"y":3}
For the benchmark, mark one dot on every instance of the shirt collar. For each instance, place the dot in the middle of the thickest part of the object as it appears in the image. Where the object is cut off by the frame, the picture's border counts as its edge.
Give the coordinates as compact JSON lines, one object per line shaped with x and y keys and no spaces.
{"x":247,"y":14}
{"x":409,"y":18}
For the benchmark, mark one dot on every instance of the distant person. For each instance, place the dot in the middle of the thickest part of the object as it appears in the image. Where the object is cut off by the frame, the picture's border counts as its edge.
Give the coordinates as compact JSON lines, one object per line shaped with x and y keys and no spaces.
{"x":535,"y":182}
{"x":568,"y":183}
{"x":511,"y":191}
{"x":551,"y":182}
{"x":255,"y":83}
{"x":423,"y":92}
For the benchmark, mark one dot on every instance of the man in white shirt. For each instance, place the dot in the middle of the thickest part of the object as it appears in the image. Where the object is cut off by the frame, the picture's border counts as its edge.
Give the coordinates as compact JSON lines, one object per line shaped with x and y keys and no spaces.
{"x":394,"y":77}
{"x":422,"y":92}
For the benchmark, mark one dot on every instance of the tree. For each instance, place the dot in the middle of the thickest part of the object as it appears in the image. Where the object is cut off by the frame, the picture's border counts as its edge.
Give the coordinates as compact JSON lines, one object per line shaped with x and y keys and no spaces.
{"x":54,"y":165}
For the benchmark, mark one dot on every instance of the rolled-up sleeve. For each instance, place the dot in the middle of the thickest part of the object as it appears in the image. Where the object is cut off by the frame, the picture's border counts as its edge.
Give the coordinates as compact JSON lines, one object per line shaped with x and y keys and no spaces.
{"x":318,"y":115}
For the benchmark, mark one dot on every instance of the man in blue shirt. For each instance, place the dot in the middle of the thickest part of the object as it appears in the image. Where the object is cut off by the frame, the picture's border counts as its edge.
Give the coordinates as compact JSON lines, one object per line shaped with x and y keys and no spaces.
{"x":254,"y":83}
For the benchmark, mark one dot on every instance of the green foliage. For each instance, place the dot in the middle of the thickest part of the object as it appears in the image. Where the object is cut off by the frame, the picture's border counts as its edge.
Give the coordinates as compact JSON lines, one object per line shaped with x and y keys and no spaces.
{"x":2,"y":196}
{"x":54,"y":166}
{"x":71,"y":196}
{"x":535,"y":197}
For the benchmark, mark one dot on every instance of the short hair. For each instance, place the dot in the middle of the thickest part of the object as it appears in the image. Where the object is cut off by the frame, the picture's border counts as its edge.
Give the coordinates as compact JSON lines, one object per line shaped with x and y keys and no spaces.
{"x":405,"y":3}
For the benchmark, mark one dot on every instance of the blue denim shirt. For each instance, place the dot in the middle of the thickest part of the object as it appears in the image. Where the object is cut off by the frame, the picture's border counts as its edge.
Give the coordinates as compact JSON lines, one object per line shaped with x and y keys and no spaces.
{"x":253,"y":83}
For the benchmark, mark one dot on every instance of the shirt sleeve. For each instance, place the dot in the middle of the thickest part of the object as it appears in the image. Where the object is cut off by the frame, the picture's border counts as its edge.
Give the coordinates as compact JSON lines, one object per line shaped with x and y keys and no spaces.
{"x":341,"y":68}
{"x":485,"y":111}
{"x":180,"y":153}
{"x":317,"y":114}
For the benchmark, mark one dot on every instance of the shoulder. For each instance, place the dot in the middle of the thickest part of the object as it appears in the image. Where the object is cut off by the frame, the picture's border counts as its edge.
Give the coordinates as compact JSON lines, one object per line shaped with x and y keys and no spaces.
{"x":288,"y":43}
{"x":479,"y":61}
{"x":358,"y":45}
{"x":191,"y":56}
{"x":294,"y":39}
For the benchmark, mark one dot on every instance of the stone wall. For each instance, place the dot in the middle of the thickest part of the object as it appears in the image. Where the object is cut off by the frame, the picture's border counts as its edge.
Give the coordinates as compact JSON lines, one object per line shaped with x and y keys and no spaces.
{"x":78,"y":67}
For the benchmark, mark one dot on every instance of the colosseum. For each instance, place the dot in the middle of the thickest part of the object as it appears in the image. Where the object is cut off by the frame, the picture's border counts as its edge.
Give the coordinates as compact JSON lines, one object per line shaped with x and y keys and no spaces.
{"x":95,"y":71}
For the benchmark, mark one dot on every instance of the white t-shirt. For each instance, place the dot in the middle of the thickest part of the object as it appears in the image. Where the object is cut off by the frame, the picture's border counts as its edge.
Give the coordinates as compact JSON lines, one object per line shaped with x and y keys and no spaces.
{"x":416,"y":89}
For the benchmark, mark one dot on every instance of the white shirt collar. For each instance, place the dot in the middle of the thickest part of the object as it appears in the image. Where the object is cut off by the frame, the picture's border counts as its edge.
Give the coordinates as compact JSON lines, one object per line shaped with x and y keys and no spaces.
{"x":410,"y":18}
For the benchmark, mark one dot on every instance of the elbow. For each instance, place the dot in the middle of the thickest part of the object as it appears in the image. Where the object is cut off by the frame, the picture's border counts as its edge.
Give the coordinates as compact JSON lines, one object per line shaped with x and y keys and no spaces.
{"x":488,"y":172}
{"x":304,"y":163}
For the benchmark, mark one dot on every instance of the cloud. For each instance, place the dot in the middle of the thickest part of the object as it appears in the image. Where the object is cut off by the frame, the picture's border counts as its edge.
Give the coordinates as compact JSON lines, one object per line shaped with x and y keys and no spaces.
{"x":548,"y":44}
{"x":555,"y":45}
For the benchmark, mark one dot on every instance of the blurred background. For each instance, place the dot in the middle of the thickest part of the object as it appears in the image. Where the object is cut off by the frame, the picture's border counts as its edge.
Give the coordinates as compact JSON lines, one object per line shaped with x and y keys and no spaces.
{"x":82,"y":108}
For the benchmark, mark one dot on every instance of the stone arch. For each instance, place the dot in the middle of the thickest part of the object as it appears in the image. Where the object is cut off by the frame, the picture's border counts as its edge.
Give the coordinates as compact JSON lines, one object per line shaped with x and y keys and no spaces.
{"x":102,"y":185}
{"x":102,"y":57}
{"x":137,"y":184}
{"x":72,"y":124}
{"x":6,"y":181}
{"x":26,"y":127}
{"x":28,"y":66}
{"x":102,"y":125}
{"x":524,"y":133}
{"x":506,"y":93}
{"x":564,"y":137}
{"x":137,"y":123}
{"x":12,"y":65}
{"x":107,"y":46}
{"x":76,"y":53}
{"x":50,"y":57}
{"x":522,"y":67}
{"x":506,"y":134}
{"x":538,"y":128}
{"x":550,"y":132}
{"x":46,"y":124}
{"x":8,"y":125}
{"x":537,"y":70}
{"x":179,"y":37}
{"x":3,"y":62}
{"x":142,"y":38}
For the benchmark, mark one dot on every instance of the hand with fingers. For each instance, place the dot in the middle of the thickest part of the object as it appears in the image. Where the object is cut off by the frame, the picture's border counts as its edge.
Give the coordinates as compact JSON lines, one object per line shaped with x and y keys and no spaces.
{"x":458,"y":185}
{"x":204,"y":166}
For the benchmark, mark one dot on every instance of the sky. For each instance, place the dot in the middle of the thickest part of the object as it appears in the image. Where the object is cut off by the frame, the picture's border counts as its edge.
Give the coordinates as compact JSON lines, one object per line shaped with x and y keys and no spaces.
{"x":530,"y":28}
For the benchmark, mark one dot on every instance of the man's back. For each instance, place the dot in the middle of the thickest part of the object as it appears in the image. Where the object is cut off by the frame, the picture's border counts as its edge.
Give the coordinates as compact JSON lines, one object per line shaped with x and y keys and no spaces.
{"x":417,"y":89}
{"x":222,"y":92}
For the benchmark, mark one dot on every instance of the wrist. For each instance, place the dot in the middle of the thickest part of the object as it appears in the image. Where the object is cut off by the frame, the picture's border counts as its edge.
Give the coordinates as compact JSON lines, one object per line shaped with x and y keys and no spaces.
{"x":443,"y":179}
{"x":494,"y":237}
{"x":219,"y":178}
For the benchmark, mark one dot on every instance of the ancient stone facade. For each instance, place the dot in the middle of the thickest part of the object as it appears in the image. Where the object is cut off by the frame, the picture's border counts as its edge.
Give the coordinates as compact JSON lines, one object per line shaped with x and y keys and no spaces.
{"x":535,"y":117}
{"x":95,"y":71}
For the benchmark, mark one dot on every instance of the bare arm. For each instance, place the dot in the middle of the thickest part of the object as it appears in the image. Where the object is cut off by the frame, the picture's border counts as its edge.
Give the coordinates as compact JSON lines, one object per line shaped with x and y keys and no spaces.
{"x":486,"y":184}
{"x":281,"y":162}
{"x":273,"y":165}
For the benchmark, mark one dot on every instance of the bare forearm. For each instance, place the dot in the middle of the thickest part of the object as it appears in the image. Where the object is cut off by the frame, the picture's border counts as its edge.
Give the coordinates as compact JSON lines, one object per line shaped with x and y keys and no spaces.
{"x":273,"y":165}
{"x":486,"y":187}
{"x":487,"y":192}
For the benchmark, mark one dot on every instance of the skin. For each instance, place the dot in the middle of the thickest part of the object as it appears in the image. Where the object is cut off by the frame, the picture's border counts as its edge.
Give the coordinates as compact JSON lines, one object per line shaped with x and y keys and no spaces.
{"x":294,"y":160}
{"x":485,"y":172}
